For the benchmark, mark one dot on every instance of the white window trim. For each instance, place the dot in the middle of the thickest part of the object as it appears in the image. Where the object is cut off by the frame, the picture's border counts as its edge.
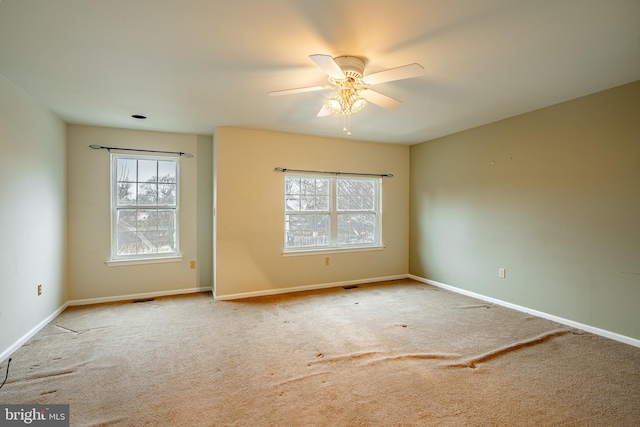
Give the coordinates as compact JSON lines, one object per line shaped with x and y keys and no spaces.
{"x":122,"y":260}
{"x":137,"y":261}
{"x":331,"y":250}
{"x":319,"y":250}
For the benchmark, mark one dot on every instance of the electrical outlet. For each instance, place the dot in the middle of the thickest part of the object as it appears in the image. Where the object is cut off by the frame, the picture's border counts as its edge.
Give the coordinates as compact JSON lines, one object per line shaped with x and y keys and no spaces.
{"x":39,"y":290}
{"x":192,"y":265}
{"x":502,"y":273}
{"x":326,"y":261}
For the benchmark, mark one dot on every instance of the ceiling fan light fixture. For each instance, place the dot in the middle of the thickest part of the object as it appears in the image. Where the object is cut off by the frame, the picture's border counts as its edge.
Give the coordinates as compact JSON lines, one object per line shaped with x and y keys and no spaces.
{"x":345,"y":101}
{"x":358,"y":104}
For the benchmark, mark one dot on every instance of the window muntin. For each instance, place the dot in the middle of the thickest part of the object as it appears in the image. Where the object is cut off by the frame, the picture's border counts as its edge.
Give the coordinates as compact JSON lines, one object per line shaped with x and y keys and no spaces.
{"x":331,"y":212}
{"x":144,"y":203}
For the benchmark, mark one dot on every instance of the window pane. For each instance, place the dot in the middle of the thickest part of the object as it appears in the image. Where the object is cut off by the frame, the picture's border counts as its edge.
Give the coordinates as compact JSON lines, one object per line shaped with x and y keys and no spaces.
{"x":322,"y":186}
{"x":342,"y":203}
{"x":147,"y":219}
{"x":127,"y":243}
{"x":323,"y":229}
{"x":355,"y":203}
{"x":356,"y":194}
{"x":291,"y":227}
{"x":368,"y":203}
{"x":126,"y":170}
{"x":344,"y":230}
{"x":356,"y":229}
{"x":147,"y":194}
{"x":126,"y":220}
{"x":322,"y":203}
{"x":307,"y":194}
{"x":308,"y":186}
{"x":125,"y":193}
{"x":146,"y":242}
{"x":166,"y":241}
{"x":368,"y":228}
{"x":167,"y":220}
{"x":352,"y":203}
{"x":342,"y":187}
{"x":147,"y":171}
{"x":292,"y":203}
{"x":292,"y":185}
{"x":155,"y":228}
{"x":308,"y":203}
{"x":167,"y":194}
{"x":307,"y":230}
{"x":167,"y":171}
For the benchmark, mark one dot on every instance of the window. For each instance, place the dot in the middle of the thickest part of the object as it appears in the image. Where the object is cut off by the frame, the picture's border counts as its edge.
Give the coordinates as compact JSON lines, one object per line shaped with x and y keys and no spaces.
{"x":144,"y":207}
{"x":331,"y":213}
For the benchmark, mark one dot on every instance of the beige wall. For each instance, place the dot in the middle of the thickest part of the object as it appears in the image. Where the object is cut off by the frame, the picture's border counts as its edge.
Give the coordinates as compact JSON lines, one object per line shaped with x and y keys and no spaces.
{"x":250,"y":210}
{"x":33,"y":214}
{"x":204,"y":230}
{"x":553,"y":196}
{"x":89,"y":215}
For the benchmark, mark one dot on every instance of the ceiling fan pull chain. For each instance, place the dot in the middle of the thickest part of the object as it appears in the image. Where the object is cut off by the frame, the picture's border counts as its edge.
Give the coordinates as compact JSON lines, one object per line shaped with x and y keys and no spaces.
{"x":347,"y":124}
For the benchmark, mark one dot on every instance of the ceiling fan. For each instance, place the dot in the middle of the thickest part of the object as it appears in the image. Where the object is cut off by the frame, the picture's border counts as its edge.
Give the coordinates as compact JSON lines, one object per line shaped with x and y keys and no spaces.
{"x":351,"y":87}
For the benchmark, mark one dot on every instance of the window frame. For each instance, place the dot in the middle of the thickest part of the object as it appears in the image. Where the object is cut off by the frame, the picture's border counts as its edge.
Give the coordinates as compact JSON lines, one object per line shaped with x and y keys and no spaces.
{"x":334,"y":245}
{"x":142,"y":258}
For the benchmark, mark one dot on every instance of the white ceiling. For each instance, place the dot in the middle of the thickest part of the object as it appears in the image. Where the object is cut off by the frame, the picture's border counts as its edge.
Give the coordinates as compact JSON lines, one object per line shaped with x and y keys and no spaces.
{"x":194,"y":65}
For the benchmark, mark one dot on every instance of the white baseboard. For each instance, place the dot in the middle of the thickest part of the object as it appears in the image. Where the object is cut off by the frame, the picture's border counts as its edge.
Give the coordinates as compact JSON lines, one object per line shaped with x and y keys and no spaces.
{"x":594,"y":330}
{"x":26,"y":337}
{"x":137,"y":296}
{"x":306,"y":288}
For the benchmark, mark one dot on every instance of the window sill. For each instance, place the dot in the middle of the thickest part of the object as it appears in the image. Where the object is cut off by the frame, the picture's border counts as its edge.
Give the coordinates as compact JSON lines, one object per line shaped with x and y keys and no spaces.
{"x":302,"y":252}
{"x":137,"y":261}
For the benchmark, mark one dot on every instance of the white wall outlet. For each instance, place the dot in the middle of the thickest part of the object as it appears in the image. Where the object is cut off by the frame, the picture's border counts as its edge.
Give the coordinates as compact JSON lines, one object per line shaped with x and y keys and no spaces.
{"x":502,"y":273}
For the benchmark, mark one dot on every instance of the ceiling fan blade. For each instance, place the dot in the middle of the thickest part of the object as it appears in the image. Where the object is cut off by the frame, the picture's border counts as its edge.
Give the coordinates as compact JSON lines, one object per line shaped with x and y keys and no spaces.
{"x":296,"y":90}
{"x":328,"y":65}
{"x":324,"y":111}
{"x":399,"y":73}
{"x":380,"y":99}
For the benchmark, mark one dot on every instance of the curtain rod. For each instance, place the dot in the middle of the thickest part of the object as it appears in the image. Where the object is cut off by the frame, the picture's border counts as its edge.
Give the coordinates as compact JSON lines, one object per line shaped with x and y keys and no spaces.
{"x":100,"y":147}
{"x":382,"y":175}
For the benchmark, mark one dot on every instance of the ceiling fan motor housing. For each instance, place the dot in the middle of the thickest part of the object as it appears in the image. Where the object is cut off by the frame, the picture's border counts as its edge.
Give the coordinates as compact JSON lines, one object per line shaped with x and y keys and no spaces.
{"x":351,"y":66}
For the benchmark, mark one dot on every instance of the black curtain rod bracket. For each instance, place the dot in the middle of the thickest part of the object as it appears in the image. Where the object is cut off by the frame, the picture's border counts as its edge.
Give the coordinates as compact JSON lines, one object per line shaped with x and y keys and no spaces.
{"x":137,"y":150}
{"x":381,"y":175}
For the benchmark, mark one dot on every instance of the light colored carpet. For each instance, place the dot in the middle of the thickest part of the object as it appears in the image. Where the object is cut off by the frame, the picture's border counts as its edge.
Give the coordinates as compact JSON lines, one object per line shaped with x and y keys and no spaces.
{"x":391,"y":354}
